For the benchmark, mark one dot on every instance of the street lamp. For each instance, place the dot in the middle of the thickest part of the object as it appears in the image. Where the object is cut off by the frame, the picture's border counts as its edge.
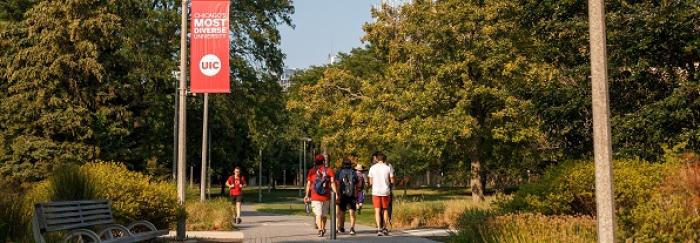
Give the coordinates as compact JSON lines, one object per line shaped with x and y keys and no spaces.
{"x":260,"y":172}
{"x":302,"y":170}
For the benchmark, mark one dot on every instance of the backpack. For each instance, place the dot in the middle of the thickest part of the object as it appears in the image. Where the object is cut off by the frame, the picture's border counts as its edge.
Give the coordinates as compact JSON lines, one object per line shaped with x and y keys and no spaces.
{"x":321,"y":181}
{"x":348,"y":181}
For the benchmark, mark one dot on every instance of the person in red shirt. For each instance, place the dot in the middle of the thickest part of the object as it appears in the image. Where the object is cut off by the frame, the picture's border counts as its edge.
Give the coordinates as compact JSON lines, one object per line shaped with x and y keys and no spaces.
{"x":235,"y":184}
{"x":320,"y":178}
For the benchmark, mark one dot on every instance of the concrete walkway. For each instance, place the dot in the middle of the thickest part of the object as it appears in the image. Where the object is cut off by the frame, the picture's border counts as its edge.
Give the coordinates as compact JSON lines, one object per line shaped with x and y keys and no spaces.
{"x":266,"y":227}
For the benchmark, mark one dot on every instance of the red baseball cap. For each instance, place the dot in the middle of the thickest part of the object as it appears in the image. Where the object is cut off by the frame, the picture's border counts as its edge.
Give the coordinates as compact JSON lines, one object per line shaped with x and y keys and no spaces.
{"x":320,"y":158}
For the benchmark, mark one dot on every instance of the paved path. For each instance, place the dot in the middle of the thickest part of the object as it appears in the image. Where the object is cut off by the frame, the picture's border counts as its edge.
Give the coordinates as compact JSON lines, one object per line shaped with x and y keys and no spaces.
{"x":266,"y":227}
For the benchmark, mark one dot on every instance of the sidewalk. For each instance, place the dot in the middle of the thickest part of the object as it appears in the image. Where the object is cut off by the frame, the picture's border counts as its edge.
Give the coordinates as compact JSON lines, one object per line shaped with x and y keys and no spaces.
{"x":266,"y":227}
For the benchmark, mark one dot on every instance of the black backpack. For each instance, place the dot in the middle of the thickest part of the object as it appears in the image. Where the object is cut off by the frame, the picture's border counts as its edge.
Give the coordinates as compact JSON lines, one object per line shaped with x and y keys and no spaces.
{"x":348,"y":180}
{"x":321,"y":181}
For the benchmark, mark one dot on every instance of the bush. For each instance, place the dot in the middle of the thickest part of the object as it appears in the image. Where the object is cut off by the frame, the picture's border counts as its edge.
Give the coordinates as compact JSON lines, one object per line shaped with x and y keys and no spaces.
{"x":569,"y":189}
{"x":438,"y":214}
{"x":14,"y":223}
{"x":134,"y":196}
{"x":672,"y":214}
{"x":71,"y":183}
{"x":210,"y":215}
{"x":657,"y":202}
{"x":487,"y":226}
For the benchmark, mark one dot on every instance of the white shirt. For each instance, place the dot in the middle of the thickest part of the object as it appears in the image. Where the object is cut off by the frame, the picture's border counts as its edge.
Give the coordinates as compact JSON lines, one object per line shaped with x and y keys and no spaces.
{"x":380,"y":174}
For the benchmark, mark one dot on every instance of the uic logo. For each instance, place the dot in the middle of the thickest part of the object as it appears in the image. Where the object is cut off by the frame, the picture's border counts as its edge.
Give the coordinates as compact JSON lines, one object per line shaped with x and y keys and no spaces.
{"x":210,"y":65}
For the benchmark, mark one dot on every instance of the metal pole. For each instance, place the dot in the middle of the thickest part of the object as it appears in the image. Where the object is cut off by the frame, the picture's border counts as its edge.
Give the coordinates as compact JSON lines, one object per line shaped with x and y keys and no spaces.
{"x":301,"y":175}
{"x":602,"y":146}
{"x":209,"y":164}
{"x":175,"y":121}
{"x":203,"y":174}
{"x":182,"y":115}
{"x":333,"y":227}
{"x":304,"y":169}
{"x":260,"y":178}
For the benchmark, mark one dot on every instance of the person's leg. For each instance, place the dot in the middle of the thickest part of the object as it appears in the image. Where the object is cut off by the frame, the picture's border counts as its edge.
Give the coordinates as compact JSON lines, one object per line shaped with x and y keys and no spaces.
{"x":352,"y":218}
{"x":376,"y":203}
{"x":340,"y":219}
{"x":238,"y":209}
{"x":317,"y":207}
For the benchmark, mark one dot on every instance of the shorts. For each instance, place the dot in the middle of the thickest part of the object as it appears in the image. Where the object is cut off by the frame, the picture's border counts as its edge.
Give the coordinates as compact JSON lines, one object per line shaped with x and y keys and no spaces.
{"x":381,"y":201}
{"x":237,"y":198}
{"x":346,"y":203}
{"x":321,"y":208}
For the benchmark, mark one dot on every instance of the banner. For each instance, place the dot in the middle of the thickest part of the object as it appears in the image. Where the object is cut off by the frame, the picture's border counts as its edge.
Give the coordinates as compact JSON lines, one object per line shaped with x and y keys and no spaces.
{"x":209,"y":46}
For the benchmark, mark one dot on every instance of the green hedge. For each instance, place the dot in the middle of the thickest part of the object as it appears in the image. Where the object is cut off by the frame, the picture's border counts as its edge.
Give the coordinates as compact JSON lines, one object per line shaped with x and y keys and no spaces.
{"x":569,"y":189}
{"x":134,"y":196}
{"x":654,"y":201}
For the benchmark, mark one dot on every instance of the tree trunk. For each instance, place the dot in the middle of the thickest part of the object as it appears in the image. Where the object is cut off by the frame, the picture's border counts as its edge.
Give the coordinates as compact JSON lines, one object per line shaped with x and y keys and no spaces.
{"x":476,"y":182}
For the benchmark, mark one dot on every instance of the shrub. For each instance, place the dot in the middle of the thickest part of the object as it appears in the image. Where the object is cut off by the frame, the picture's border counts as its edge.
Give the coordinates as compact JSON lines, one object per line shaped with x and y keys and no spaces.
{"x":486,"y":226}
{"x":210,"y":215}
{"x":437,"y":214}
{"x":672,"y":214}
{"x":134,"y":196}
{"x":569,"y":189}
{"x":70,"y":183}
{"x":14,"y":223}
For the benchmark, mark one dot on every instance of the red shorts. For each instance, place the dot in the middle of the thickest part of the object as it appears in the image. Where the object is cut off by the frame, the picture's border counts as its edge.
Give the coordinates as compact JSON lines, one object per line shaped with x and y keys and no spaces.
{"x":381,"y":201}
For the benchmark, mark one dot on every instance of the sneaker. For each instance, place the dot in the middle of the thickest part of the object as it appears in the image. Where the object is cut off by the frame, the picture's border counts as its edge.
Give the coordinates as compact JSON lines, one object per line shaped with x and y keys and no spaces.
{"x":379,"y":233}
{"x":238,"y":220}
{"x":385,"y":231}
{"x":341,"y":230}
{"x":352,"y":231}
{"x":320,"y":233}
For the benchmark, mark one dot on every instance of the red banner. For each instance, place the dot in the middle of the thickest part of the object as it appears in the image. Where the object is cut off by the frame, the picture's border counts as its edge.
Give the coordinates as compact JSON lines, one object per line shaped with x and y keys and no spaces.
{"x":209,"y":46}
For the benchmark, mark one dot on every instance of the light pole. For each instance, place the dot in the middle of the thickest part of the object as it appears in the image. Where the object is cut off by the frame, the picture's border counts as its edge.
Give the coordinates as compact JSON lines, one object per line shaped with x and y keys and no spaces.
{"x":260,"y":177}
{"x":602,"y":146}
{"x":181,"y":121}
{"x":301,"y":174}
{"x":203,"y":174}
{"x":304,"y":169}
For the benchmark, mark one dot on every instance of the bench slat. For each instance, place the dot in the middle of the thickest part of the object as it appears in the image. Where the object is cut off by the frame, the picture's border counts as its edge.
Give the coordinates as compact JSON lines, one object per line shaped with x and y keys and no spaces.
{"x":77,"y":226}
{"x":60,"y":209}
{"x":75,"y":214}
{"x":84,"y":219}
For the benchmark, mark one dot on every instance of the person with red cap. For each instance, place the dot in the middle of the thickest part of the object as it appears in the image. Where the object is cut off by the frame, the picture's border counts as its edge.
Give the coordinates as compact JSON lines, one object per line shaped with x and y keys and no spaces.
{"x":319,"y":183}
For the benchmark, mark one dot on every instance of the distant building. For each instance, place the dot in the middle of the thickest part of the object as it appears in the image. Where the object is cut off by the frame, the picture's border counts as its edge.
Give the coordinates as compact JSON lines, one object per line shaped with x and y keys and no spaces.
{"x":286,"y":75}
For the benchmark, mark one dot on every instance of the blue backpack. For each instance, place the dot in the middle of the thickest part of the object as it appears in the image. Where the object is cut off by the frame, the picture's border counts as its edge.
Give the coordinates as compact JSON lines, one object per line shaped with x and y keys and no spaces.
{"x":321,"y":181}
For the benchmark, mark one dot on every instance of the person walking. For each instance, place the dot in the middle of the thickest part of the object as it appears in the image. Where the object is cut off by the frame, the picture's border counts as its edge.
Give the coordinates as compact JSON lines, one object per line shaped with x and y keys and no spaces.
{"x":319,"y":183}
{"x":235,"y":184}
{"x":381,"y":177}
{"x":362,"y":185}
{"x":349,"y":184}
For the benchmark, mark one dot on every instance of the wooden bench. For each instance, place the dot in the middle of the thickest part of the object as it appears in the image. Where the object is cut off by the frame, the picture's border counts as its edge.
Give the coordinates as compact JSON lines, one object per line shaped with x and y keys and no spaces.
{"x":80,"y":218}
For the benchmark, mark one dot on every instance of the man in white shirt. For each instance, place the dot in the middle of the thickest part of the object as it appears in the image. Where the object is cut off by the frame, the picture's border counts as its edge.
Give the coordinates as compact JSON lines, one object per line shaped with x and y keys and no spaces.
{"x":381,"y":177}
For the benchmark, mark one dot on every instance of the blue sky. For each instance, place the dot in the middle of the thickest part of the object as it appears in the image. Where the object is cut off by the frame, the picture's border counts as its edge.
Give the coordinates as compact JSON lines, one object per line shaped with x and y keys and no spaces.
{"x":324,"y":27}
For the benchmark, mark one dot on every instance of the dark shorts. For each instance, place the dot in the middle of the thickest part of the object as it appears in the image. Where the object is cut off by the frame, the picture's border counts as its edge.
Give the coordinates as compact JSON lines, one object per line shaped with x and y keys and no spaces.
{"x":346,"y":203}
{"x":238,"y":198}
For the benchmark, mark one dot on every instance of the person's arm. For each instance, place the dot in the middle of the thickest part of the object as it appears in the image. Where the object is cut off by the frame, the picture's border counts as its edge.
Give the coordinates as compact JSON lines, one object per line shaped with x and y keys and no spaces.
{"x":307,"y":191}
{"x":333,"y":186}
{"x":228,"y":184}
{"x":243,"y":182}
{"x":391,"y":175}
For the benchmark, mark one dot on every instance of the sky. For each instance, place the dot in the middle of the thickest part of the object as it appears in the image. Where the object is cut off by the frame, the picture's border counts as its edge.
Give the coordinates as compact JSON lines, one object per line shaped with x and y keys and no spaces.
{"x":324,"y":27}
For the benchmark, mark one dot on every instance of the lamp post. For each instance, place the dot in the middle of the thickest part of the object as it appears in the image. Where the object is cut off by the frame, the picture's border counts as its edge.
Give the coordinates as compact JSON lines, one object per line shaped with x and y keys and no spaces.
{"x":602,"y":146}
